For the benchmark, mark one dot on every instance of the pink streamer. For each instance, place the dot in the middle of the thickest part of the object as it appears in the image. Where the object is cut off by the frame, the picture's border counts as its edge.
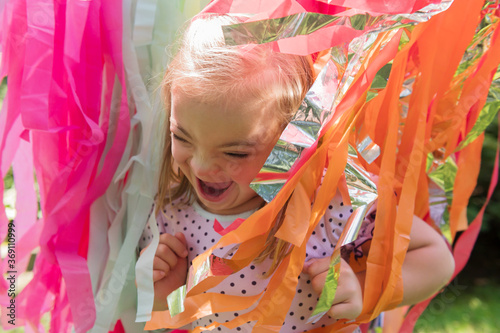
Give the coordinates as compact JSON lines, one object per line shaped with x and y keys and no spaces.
{"x":233,"y":226}
{"x":27,"y":230}
{"x":10,"y":122}
{"x":37,"y":64}
{"x":56,"y":55}
{"x":385,"y":7}
{"x":317,"y":41}
{"x":26,"y":202}
{"x":284,"y":8}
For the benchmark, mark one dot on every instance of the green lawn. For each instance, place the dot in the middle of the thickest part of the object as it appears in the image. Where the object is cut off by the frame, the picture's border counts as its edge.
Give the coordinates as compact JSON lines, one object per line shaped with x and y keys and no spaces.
{"x":463,"y":309}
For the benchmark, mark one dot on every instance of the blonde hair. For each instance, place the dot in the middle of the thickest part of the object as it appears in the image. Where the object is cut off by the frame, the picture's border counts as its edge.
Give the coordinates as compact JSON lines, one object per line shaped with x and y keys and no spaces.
{"x":207,"y":69}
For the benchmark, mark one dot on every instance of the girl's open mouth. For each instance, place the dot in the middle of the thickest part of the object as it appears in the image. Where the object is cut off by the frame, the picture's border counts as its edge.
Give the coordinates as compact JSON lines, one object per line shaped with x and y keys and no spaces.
{"x":213,"y":191}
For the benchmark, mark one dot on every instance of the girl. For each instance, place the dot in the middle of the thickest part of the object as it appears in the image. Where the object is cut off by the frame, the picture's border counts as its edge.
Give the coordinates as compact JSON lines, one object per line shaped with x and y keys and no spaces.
{"x":226,"y":109}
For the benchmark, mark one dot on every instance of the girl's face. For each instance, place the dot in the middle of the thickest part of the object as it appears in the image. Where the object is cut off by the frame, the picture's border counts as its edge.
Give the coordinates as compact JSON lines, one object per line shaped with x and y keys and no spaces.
{"x":221,"y":149}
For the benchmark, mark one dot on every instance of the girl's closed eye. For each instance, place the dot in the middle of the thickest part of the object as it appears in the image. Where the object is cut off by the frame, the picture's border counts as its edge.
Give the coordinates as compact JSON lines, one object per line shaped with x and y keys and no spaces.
{"x":237,"y":155}
{"x":178,"y":138}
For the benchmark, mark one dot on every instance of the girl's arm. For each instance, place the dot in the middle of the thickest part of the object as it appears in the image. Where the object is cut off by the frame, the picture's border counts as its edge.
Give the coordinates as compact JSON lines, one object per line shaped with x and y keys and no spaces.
{"x":428,"y":265}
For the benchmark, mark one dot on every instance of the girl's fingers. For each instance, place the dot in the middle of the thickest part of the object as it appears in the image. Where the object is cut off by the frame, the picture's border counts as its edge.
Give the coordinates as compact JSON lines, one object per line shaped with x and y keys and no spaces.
{"x":144,"y":249}
{"x":315,"y":267}
{"x":345,"y":310}
{"x":158,"y":275}
{"x":165,"y":253}
{"x":177,"y":244}
{"x":180,"y":236}
{"x":161,"y":265}
{"x":348,"y":301}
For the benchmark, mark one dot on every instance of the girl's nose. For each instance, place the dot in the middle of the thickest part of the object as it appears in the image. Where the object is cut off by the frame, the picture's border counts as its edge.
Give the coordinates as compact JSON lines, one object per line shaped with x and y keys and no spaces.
{"x":205,"y":168}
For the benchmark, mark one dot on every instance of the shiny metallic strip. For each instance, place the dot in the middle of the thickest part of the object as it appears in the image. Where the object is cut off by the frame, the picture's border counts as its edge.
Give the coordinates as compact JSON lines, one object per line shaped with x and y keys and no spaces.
{"x":270,"y":30}
{"x":175,"y":300}
{"x":485,"y":118}
{"x":443,"y":174}
{"x":428,"y":11}
{"x":212,"y":266}
{"x":368,"y":149}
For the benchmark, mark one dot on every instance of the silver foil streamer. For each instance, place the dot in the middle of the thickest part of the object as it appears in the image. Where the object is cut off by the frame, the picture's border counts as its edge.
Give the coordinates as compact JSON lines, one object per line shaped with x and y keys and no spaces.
{"x":271,"y":30}
{"x":368,"y":149}
{"x":212,"y":266}
{"x":329,"y":88}
{"x":442,"y":174}
{"x":175,"y":300}
{"x":301,"y":24}
{"x":428,"y":11}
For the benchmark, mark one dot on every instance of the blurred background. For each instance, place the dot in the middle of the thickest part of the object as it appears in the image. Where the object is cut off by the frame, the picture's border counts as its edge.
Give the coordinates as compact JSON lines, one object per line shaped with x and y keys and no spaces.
{"x":471,"y":303}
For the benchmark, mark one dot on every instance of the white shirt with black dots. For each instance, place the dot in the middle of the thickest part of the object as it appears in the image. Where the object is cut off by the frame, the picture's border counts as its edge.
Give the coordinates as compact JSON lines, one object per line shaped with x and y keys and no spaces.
{"x":198,"y":227}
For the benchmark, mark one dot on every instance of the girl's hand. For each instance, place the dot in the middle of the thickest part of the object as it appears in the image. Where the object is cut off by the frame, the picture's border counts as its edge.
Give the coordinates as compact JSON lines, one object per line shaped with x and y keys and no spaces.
{"x":169,"y":267}
{"x":348,"y":301}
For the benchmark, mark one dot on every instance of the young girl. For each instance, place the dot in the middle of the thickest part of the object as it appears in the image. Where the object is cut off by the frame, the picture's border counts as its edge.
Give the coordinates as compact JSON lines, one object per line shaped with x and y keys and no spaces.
{"x":226,"y":109}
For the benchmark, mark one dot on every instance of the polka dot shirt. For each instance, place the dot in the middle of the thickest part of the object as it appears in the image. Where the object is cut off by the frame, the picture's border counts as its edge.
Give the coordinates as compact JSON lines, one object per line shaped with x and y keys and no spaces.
{"x":198,"y":227}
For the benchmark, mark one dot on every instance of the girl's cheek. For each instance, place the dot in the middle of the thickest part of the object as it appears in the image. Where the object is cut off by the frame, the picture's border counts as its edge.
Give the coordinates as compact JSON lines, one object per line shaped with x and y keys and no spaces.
{"x":244,"y":171}
{"x":179,"y":154}
{"x":233,"y":169}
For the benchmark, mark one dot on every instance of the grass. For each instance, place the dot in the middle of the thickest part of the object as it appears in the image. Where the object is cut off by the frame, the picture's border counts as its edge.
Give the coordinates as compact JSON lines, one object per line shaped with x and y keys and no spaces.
{"x":463,"y":309}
